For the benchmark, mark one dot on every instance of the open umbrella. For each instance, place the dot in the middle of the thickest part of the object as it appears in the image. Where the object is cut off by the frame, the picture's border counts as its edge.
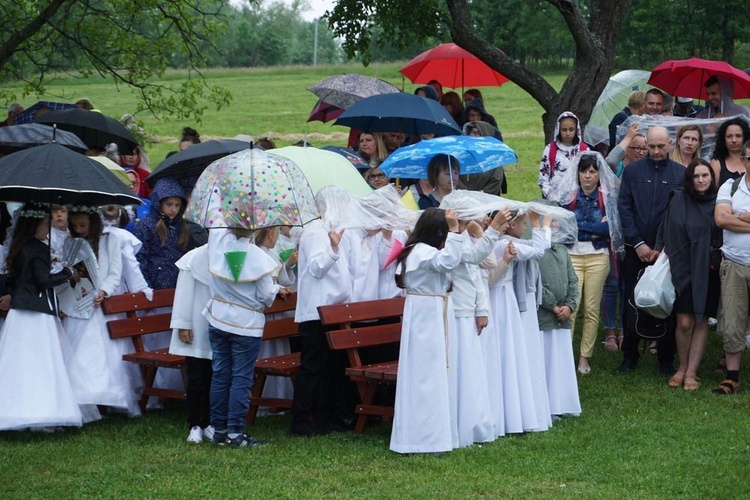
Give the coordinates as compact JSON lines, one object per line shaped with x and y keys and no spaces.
{"x":474,"y":154}
{"x":453,"y":67}
{"x":113,"y":167}
{"x":344,"y":90}
{"x":190,"y":162}
{"x":685,"y":78}
{"x":324,"y":112}
{"x":93,"y":128}
{"x":350,"y":155}
{"x":55,"y":174}
{"x":404,"y":113}
{"x":324,"y":168}
{"x":28,"y":135}
{"x":252,"y":189}
{"x":40,"y":108}
{"x":613,"y":98}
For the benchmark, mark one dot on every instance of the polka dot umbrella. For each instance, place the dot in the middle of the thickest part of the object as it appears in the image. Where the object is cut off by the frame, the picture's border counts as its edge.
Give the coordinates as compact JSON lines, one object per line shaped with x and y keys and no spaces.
{"x":252,"y":189}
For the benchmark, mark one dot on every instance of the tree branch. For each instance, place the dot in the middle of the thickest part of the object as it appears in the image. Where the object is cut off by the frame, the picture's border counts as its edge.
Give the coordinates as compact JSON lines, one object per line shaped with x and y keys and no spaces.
{"x":464,"y":35}
{"x":11,"y":45}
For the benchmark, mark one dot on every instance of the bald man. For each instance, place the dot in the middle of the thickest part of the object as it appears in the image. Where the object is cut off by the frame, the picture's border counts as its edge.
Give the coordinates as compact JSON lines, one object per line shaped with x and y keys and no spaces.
{"x":644,"y":195}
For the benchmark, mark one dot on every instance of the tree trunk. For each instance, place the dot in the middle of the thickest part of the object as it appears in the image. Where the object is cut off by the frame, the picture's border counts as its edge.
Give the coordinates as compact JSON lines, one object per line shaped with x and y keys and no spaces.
{"x":595,"y":50}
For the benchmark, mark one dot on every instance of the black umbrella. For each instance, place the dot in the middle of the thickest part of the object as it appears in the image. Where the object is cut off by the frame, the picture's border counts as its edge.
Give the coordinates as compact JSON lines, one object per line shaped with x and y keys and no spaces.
{"x":55,"y":174}
{"x":190,"y":163}
{"x":93,"y":128}
{"x":28,"y":135}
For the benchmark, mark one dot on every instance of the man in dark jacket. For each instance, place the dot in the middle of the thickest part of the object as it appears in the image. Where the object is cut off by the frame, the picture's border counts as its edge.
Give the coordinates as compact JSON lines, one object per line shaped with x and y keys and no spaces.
{"x":643,"y":199}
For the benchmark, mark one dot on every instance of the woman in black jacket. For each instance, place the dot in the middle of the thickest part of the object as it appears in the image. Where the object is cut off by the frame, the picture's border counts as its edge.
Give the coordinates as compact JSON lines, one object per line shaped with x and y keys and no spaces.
{"x":35,"y":391}
{"x":687,"y":235}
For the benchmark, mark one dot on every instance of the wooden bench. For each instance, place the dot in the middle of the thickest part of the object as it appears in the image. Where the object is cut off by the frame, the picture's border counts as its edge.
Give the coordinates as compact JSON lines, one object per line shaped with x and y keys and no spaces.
{"x":135,"y":326}
{"x":285,"y":365}
{"x":349,"y":337}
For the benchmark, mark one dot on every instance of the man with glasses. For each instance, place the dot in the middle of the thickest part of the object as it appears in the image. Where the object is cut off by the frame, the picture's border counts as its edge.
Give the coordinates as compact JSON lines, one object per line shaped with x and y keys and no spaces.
{"x":732,"y":214}
{"x":643,"y":199}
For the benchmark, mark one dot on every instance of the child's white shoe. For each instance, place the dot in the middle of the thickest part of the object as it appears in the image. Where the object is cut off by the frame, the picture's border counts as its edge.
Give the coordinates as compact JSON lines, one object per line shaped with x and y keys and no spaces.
{"x":196,"y":435}
{"x":208,"y":433}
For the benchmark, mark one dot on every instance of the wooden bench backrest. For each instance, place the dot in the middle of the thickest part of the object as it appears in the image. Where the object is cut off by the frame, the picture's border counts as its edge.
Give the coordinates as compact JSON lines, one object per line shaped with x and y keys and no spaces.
{"x":132,"y":302}
{"x":353,"y":339}
{"x":345,"y":314}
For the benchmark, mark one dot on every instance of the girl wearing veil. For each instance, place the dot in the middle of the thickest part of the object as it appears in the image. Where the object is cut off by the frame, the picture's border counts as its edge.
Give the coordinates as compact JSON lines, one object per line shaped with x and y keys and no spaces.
{"x":589,"y":189}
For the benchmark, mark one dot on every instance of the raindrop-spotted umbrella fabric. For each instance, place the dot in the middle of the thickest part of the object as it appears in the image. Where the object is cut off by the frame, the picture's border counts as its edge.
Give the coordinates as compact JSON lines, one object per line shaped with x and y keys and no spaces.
{"x":344,"y":90}
{"x":252,"y":189}
{"x":474,"y":154}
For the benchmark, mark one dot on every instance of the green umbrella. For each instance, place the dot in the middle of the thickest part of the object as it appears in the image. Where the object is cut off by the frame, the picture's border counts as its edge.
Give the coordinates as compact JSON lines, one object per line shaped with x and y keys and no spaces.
{"x":325,"y":168}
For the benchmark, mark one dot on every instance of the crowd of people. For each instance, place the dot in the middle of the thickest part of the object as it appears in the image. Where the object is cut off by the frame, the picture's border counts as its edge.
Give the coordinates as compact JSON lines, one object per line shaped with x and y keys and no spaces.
{"x":492,"y":288}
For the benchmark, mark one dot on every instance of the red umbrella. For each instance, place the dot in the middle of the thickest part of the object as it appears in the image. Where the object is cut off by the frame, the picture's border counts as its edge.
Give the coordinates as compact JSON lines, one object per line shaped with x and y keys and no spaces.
{"x":685,"y":78}
{"x":324,"y":112}
{"x":453,"y":67}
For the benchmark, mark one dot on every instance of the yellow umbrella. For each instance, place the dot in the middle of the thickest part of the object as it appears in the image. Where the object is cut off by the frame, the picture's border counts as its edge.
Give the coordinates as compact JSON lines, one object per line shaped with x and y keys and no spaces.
{"x":114,"y":168}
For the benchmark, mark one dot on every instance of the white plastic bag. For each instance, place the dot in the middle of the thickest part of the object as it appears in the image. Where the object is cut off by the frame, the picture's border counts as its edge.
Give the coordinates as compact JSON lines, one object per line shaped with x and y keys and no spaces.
{"x":654,"y":292}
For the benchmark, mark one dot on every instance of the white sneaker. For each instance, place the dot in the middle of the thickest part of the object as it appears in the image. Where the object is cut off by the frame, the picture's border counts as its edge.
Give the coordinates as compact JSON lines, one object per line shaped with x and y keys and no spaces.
{"x":196,"y":435}
{"x":208,"y":433}
{"x":712,"y":322}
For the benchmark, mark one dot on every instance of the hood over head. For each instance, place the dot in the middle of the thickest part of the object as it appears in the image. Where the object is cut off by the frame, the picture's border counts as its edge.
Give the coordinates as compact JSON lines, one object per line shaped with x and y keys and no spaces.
{"x":429,"y":92}
{"x":568,"y":114}
{"x":166,"y":188}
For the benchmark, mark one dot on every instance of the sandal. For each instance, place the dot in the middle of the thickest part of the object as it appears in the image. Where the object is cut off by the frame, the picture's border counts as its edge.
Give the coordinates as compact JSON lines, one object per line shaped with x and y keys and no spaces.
{"x":610,"y":343}
{"x":677,"y":379}
{"x":691,"y":382}
{"x":727,"y":387}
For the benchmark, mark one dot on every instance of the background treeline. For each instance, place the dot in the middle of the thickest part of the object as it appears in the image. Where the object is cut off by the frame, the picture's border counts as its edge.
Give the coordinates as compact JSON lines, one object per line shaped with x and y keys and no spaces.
{"x":533,"y":32}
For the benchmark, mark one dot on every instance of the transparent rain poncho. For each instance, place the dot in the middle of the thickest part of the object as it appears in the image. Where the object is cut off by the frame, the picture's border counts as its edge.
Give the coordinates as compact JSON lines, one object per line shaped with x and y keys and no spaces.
{"x":381,"y":209}
{"x":566,"y":189}
{"x":475,"y":205}
{"x":673,"y":124}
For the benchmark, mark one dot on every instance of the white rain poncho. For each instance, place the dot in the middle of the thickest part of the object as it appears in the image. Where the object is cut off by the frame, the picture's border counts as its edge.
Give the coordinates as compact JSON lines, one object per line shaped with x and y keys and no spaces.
{"x":567,"y":188}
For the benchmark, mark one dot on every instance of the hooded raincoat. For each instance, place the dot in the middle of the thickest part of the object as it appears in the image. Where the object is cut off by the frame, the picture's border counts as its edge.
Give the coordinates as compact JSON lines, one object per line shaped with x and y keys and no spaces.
{"x":557,"y":157}
{"x":726,"y":103}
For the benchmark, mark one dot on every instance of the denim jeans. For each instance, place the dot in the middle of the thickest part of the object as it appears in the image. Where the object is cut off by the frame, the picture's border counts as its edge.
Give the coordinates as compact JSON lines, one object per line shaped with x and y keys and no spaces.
{"x":613,"y":287}
{"x":233,"y":365}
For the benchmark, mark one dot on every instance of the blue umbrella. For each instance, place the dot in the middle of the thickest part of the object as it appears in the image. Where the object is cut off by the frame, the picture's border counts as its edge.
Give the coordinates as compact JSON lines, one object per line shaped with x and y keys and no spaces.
{"x":404,"y":113}
{"x":474,"y":154}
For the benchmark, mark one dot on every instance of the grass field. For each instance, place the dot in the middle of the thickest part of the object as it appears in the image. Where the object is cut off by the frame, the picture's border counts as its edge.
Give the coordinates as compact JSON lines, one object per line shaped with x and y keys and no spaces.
{"x":635,"y":439}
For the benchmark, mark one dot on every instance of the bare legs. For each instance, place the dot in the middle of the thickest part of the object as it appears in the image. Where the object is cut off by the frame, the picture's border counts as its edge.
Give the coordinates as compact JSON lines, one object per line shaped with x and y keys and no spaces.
{"x":691,"y":337}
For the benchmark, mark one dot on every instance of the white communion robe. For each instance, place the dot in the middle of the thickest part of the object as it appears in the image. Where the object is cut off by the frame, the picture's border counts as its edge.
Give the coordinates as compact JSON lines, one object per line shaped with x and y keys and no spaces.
{"x":422,"y":413}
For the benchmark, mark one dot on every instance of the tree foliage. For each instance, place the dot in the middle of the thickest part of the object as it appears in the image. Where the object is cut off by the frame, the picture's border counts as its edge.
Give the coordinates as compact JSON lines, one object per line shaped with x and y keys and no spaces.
{"x":125,"y":40}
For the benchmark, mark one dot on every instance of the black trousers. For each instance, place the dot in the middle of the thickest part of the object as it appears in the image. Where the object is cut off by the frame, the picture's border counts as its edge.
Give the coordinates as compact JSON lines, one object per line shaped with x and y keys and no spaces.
{"x":321,"y":385}
{"x":666,"y":347}
{"x":197,"y":392}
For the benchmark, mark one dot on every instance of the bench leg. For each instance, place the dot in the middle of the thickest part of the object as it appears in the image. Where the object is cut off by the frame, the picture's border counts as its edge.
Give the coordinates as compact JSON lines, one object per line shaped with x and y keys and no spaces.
{"x":257,"y":392}
{"x":367,"y":389}
{"x":149,"y":374}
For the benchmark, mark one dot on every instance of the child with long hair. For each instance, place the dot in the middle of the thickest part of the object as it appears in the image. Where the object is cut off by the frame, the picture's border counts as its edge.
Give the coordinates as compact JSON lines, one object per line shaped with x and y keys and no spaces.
{"x":97,"y":371}
{"x":164,"y":234}
{"x":35,"y":391}
{"x":422,"y":413}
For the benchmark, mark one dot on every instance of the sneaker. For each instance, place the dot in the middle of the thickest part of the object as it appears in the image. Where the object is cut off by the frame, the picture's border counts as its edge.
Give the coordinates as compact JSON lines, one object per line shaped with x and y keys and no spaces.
{"x":196,"y":435}
{"x":243,"y":441}
{"x":208,"y":433}
{"x":220,"y":439}
{"x":712,"y":322}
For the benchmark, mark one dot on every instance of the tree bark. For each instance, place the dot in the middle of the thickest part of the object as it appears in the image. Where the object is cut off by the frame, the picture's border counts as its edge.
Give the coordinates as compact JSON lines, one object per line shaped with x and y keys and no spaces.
{"x":595,"y":42}
{"x":9,"y":47}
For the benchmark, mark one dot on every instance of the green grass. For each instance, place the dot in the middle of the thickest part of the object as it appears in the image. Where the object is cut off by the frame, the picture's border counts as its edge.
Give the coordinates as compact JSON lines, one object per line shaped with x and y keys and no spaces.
{"x":636,"y":438}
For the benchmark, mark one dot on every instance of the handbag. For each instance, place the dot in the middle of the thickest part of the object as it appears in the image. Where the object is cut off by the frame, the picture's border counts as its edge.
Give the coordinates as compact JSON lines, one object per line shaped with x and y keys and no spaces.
{"x":654,"y":292}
